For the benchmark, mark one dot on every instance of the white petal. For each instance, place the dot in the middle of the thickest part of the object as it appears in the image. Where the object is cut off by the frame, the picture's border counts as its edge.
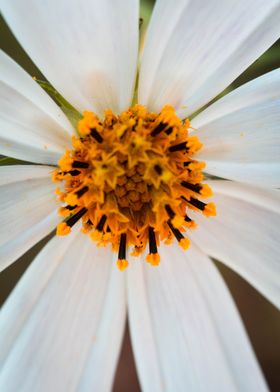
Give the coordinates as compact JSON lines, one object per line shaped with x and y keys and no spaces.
{"x":32,"y":127}
{"x":244,"y":235}
{"x":15,"y":173}
{"x":16,"y":247}
{"x":14,"y":76}
{"x":196,"y":49}
{"x":87,"y":49}
{"x":259,"y":91}
{"x":23,"y":205}
{"x":185,"y":326}
{"x":241,"y":133}
{"x":63,"y":324}
{"x":265,"y":198}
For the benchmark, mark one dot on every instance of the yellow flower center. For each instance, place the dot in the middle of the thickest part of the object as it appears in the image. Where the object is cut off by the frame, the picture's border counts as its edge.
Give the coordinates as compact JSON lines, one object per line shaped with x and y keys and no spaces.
{"x":132,"y":180}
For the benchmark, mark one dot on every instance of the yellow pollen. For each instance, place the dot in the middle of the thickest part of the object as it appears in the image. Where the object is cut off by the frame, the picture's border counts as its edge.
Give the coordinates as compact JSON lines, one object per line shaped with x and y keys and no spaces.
{"x":206,"y":191}
{"x":122,"y":264}
{"x":132,"y":181}
{"x":63,"y":229}
{"x":71,"y":199}
{"x":65,"y":163}
{"x":96,"y":235}
{"x":178,"y":221}
{"x":191,"y":224}
{"x":153,"y":259}
{"x":184,"y":243}
{"x":210,"y":210}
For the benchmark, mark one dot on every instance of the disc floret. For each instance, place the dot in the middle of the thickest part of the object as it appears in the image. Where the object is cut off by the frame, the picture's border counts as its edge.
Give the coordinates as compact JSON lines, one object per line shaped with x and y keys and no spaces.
{"x":131,"y":179}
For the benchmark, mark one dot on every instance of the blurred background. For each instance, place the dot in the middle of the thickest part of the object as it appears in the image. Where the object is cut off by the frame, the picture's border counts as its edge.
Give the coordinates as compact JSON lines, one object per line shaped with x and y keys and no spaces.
{"x":261,"y":318}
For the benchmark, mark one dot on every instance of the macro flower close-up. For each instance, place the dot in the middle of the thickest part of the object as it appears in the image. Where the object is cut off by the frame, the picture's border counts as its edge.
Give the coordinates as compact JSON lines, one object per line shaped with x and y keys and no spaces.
{"x":132,"y":151}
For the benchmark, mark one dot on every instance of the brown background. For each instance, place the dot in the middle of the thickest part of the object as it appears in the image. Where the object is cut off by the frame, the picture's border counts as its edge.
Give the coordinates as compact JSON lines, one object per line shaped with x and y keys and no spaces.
{"x":261,"y":319}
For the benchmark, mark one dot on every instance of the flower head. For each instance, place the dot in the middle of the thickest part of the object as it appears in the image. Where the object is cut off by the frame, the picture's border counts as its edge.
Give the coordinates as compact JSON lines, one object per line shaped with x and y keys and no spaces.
{"x":133,"y":174}
{"x":132,"y":179}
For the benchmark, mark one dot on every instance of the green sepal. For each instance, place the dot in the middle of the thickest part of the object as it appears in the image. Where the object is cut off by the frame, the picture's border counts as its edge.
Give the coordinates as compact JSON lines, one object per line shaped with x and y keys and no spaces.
{"x":7,"y":161}
{"x":70,"y":112}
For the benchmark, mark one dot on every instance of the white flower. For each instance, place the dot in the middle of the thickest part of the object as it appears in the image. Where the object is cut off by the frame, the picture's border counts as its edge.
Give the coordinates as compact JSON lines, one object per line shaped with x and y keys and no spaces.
{"x":61,"y":328}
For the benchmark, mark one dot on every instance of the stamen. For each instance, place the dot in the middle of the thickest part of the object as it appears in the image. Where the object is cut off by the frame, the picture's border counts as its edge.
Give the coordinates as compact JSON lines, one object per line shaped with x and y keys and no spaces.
{"x":178,"y":147}
{"x":197,"y":203}
{"x":152,"y":241}
{"x":87,"y":226}
{"x":169,"y":211}
{"x":153,"y":256}
{"x":80,"y":165}
{"x":70,"y":208}
{"x":187,"y":219}
{"x":176,"y":220}
{"x":189,"y":222}
{"x":183,"y":242}
{"x":168,"y":131}
{"x":158,"y":129}
{"x":64,"y":228}
{"x":98,"y":233}
{"x":101,"y":223}
{"x":162,"y":127}
{"x":82,"y":191}
{"x":96,"y":135}
{"x":192,"y":187}
{"x":74,"y":219}
{"x":74,"y":172}
{"x":208,"y":209}
{"x":122,"y":263}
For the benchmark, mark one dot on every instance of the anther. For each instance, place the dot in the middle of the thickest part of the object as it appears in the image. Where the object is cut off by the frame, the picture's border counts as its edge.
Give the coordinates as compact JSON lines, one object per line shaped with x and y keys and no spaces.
{"x":178,"y":147}
{"x":64,"y":228}
{"x":161,"y":127}
{"x":70,"y":208}
{"x":153,"y":256}
{"x":169,"y":211}
{"x":176,"y":220}
{"x":101,"y":223}
{"x":158,"y":129}
{"x":192,"y":187}
{"x":189,"y":222}
{"x":98,"y":233}
{"x":152,"y":241}
{"x":183,"y":242}
{"x":168,"y":131}
{"x":80,"y":165}
{"x":208,"y":209}
{"x":74,"y":219}
{"x":187,"y":219}
{"x":74,"y":172}
{"x":96,"y":135}
{"x":82,"y":191}
{"x":197,"y":203}
{"x":122,"y":263}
